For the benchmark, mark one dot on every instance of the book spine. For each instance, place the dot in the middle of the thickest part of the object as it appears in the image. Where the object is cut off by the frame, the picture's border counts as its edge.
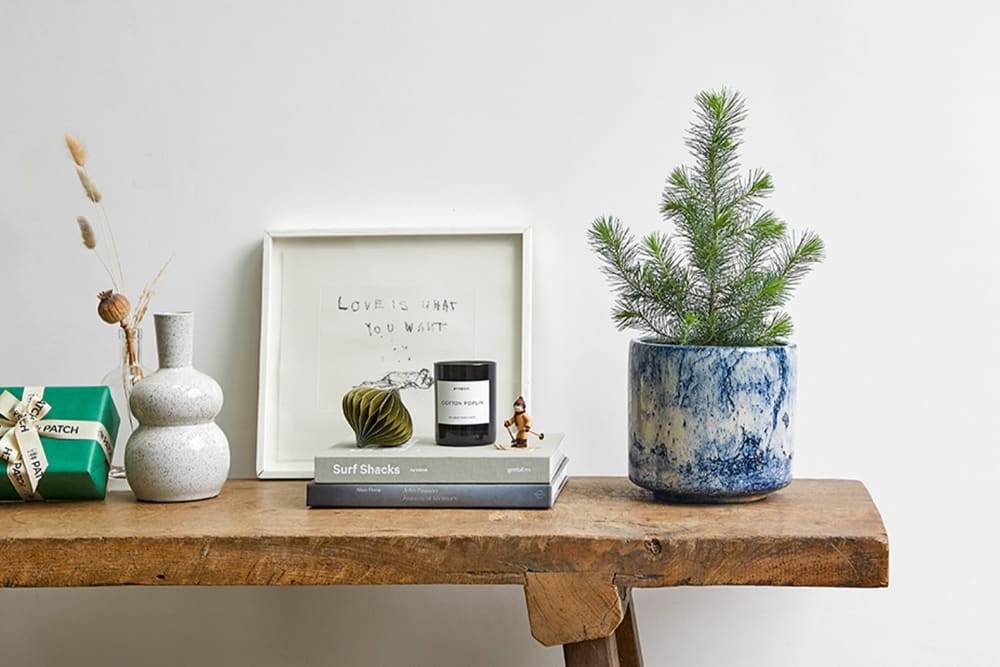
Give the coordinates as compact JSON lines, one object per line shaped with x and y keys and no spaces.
{"x":495,"y":496}
{"x":391,"y":470}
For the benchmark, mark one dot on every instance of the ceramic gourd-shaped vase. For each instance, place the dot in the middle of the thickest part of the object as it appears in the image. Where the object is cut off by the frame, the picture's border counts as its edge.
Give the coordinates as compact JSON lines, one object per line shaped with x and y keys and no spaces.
{"x":178,"y":453}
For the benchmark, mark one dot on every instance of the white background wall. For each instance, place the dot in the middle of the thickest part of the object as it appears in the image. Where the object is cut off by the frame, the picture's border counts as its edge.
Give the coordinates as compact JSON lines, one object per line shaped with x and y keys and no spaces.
{"x":209,"y":122}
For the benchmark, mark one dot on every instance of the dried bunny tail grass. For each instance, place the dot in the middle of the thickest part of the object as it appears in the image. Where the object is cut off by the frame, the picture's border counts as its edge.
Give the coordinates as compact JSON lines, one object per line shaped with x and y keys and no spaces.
{"x":76,"y":150}
{"x":90,"y":243}
{"x":86,"y":233}
{"x":142,"y":305}
{"x":79,"y":155}
{"x":88,"y":186}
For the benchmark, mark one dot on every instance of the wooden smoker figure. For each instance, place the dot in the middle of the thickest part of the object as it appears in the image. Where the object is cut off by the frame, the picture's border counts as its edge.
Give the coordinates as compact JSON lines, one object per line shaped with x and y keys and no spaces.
{"x":522,"y":422}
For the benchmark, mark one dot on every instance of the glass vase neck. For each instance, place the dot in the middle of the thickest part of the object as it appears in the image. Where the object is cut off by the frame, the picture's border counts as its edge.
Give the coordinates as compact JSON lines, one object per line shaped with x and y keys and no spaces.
{"x":121,"y":346}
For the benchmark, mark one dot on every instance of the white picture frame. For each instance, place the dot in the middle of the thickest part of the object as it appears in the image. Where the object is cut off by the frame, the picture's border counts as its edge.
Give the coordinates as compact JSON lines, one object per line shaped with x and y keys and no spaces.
{"x":336,"y":303}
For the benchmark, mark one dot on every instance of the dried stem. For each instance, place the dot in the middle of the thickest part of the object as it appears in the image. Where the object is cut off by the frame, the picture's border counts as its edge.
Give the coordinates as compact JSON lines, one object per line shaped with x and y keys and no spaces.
{"x":142,"y":305}
{"x":114,"y":246}
{"x":132,"y":352}
{"x":89,"y":239}
{"x":79,"y":155}
{"x":131,"y":370}
{"x":129,"y":322}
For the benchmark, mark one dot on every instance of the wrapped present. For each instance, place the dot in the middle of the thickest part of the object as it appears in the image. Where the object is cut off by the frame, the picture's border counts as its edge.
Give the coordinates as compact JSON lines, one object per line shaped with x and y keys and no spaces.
{"x":56,"y":442}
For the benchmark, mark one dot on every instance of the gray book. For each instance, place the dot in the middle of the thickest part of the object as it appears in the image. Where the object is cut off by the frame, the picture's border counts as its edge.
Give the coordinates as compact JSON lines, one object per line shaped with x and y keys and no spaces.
{"x":494,"y":496}
{"x":421,"y":461}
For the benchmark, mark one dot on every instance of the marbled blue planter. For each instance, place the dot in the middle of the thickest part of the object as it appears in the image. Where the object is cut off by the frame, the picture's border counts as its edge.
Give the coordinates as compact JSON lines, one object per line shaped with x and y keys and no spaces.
{"x":711,"y":424}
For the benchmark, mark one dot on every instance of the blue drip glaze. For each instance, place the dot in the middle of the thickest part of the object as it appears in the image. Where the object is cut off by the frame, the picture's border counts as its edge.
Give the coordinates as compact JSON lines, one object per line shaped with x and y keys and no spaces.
{"x":779,"y":404}
{"x":710,"y":423}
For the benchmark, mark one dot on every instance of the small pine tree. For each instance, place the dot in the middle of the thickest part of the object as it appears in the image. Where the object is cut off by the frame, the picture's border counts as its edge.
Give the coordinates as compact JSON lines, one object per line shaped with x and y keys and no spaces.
{"x":736,"y":266}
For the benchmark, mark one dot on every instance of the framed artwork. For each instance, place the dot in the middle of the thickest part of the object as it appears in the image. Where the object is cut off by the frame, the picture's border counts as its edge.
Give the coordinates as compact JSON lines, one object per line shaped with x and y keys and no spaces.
{"x":341,"y":307}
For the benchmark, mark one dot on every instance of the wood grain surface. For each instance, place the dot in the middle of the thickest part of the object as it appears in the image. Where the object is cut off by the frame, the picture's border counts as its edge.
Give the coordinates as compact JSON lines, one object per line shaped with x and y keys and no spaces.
{"x":565,"y":607}
{"x":813,"y":533}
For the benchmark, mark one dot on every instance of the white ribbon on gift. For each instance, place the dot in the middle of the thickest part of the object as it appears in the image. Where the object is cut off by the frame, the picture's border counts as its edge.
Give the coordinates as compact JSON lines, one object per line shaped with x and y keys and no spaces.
{"x":22,"y":423}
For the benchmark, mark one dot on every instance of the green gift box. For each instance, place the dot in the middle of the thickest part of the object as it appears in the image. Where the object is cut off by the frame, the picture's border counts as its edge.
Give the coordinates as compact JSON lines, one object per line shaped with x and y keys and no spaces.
{"x":77,"y":465}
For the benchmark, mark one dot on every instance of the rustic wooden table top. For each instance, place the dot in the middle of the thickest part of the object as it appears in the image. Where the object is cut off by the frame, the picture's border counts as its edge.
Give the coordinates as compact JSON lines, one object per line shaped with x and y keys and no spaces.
{"x":813,"y":533}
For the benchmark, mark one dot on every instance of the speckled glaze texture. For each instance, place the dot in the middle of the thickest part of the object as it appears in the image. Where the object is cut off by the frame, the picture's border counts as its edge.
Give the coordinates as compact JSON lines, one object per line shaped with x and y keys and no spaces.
{"x":711,"y":424}
{"x":178,"y":453}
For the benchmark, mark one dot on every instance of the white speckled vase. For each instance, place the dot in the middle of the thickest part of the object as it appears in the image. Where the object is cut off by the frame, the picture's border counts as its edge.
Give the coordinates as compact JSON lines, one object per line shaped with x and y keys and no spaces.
{"x":178,"y":453}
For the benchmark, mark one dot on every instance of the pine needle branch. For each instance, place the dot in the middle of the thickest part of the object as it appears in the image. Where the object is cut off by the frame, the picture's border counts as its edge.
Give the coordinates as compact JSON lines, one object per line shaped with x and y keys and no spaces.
{"x":730,"y":266}
{"x":636,"y":305}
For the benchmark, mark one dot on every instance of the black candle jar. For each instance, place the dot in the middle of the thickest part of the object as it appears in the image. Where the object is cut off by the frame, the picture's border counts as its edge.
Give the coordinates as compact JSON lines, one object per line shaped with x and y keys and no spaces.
{"x":465,"y":400}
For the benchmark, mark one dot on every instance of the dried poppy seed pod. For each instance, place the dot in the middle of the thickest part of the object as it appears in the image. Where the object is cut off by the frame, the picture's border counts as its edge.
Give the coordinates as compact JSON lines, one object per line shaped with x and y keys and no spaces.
{"x":113,"y":307}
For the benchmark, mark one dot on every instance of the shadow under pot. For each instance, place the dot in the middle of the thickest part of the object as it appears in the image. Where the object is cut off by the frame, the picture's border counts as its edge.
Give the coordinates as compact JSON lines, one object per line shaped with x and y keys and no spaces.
{"x":711,"y":424}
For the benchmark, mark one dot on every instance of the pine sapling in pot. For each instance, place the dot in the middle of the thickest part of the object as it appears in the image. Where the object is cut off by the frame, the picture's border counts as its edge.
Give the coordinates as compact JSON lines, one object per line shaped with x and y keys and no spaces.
{"x":712,"y":380}
{"x":731,"y":265}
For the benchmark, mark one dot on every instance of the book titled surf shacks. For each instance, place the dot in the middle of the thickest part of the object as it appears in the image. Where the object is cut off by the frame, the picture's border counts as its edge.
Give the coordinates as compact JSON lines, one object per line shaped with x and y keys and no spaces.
{"x":424,"y":462}
{"x":490,"y":495}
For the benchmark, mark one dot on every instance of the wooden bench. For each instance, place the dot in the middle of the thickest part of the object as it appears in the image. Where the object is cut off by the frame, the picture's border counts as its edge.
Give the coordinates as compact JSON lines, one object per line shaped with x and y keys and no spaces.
{"x":577,"y":562}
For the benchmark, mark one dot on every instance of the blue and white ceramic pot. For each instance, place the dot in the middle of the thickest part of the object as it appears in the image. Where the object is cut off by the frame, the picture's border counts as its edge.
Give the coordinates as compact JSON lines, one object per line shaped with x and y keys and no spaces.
{"x":711,"y":424}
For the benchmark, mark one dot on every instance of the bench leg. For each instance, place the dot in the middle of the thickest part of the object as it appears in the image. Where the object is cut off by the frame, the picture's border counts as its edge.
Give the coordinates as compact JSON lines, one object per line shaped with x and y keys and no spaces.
{"x":594,"y":653}
{"x":587,"y":614}
{"x":621,"y":649}
{"x":627,"y":637}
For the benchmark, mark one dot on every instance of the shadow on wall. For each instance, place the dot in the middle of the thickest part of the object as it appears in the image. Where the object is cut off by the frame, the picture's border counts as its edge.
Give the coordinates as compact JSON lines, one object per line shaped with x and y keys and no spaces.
{"x":223,"y":626}
{"x":239,"y":361}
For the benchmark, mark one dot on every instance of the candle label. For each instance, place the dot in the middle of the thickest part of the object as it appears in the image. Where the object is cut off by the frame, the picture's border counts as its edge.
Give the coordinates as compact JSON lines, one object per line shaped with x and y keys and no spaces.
{"x":463,"y":403}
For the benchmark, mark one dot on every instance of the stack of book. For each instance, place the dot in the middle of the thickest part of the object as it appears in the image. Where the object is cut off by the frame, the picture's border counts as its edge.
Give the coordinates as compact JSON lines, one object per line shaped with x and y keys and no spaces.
{"x":424,"y":474}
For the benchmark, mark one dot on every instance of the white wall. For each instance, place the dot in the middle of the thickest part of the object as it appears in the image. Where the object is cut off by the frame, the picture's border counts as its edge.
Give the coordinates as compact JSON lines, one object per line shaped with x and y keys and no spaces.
{"x":209,"y":122}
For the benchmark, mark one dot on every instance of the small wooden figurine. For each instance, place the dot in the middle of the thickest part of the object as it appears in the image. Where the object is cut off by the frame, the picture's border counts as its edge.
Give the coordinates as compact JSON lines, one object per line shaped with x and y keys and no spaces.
{"x":522,"y":422}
